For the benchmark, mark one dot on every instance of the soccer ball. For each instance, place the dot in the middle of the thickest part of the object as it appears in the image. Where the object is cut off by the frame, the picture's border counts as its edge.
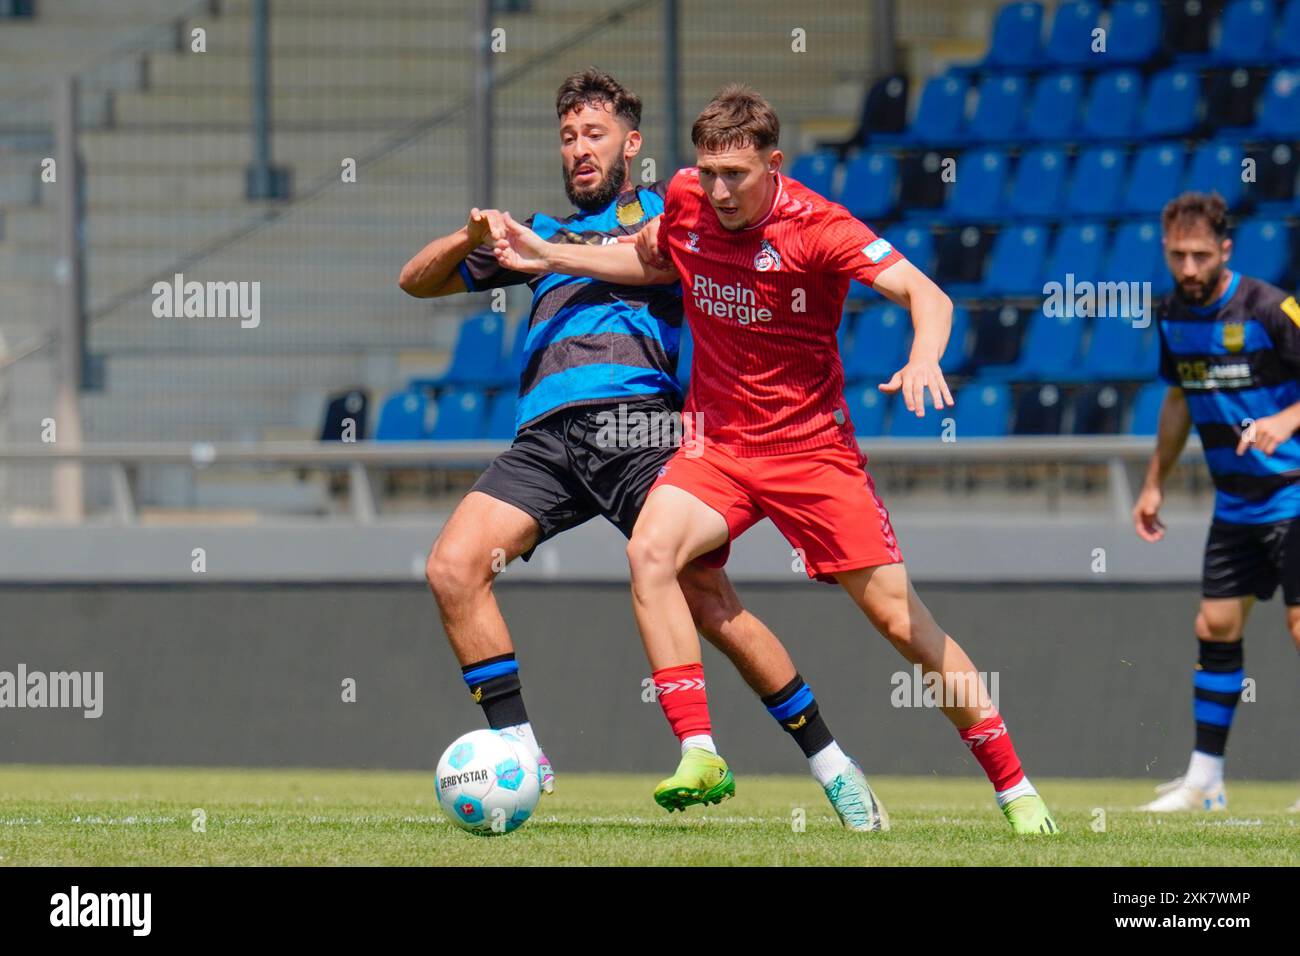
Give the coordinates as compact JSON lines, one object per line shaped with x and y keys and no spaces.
{"x":488,"y":782}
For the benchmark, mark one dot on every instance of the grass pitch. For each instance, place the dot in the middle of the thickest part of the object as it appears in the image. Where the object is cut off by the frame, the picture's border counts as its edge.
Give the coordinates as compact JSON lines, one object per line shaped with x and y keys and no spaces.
{"x":115,"y":817}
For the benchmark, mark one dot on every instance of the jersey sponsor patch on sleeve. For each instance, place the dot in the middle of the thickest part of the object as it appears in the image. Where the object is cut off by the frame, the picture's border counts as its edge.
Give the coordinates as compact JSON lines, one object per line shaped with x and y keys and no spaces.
{"x":877,"y":250}
{"x":1292,"y":309}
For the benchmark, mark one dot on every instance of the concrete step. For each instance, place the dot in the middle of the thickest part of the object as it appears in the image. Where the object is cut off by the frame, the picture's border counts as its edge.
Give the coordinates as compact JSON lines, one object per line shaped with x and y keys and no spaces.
{"x":201,"y":108}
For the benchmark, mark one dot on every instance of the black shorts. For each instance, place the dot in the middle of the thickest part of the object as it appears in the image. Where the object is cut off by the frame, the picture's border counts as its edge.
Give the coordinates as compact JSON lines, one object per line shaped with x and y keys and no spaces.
{"x":1243,"y":560}
{"x":571,"y":467}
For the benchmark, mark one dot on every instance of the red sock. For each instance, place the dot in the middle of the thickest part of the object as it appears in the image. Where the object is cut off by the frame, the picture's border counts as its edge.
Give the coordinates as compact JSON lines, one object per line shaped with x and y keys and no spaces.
{"x":681,"y":695}
{"x":990,"y":742}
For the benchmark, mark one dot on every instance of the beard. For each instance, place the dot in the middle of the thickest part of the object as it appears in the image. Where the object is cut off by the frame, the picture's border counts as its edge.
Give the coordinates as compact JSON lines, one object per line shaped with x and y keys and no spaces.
{"x":1207,"y":290}
{"x":598,"y":196}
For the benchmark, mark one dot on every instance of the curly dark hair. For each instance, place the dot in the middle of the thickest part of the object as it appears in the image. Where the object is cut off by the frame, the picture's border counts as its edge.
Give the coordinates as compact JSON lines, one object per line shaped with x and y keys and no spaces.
{"x":593,"y":86}
{"x":1193,"y":207}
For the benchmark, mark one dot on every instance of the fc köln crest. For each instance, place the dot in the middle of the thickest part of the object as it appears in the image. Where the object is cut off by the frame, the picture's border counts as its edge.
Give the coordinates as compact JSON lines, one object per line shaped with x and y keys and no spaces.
{"x":768,"y":259}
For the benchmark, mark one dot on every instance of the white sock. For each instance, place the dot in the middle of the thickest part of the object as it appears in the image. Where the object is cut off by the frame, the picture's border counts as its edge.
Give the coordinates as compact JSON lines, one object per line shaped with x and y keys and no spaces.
{"x":524,"y":732}
{"x":1021,"y":789}
{"x":828,"y":763}
{"x":702,"y":741}
{"x":1204,"y":771}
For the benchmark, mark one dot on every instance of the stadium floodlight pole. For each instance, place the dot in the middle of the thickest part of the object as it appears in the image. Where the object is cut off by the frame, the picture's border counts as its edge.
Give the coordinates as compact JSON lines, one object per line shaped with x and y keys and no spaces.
{"x":481,"y":159}
{"x":67,"y":490}
{"x":264,"y":181}
{"x":672,"y":82}
{"x":884,"y":37}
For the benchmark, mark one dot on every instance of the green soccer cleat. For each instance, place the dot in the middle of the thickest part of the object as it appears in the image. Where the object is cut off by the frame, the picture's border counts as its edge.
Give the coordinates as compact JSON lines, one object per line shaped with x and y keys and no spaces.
{"x":701,"y":777}
{"x":1029,"y":814}
{"x":855,"y":802}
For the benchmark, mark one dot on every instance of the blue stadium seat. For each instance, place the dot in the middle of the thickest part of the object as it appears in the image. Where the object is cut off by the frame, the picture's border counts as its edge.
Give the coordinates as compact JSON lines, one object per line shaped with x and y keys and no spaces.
{"x":1112,"y":108}
{"x":1135,"y":255}
{"x":1279,"y":113}
{"x":816,"y":171}
{"x":1070,"y":40}
{"x":476,"y":358}
{"x":999,"y":108}
{"x":512,"y":364}
{"x":501,"y":417}
{"x":867,"y":405}
{"x":402,"y":417}
{"x":1157,"y":172}
{"x":1261,"y":248}
{"x":870,"y":185}
{"x":1097,"y":186}
{"x":879,"y":343}
{"x":904,"y":423}
{"x":1134,"y":33}
{"x":916,"y":243}
{"x":1120,"y":350}
{"x":1288,"y":33}
{"x":1054,"y":106}
{"x":1050,"y":351}
{"x":998,"y":334}
{"x":1016,"y":263}
{"x":940,"y":116}
{"x":685,"y":355}
{"x":1096,"y":409}
{"x":1078,"y":251}
{"x":1216,"y":167}
{"x":844,"y":333}
{"x":1172,"y":105}
{"x":981,"y":181}
{"x":1146,"y":408}
{"x":1017,"y":36}
{"x":1246,"y":32}
{"x":462,"y":416}
{"x":981,"y":410}
{"x":1039,"y":411}
{"x":1039,"y":183}
{"x":956,"y":355}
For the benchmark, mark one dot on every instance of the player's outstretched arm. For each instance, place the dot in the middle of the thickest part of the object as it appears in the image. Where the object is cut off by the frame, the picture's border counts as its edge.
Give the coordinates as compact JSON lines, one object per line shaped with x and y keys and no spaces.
{"x":931,"y":310}
{"x":432,"y":271}
{"x":1171,"y":436}
{"x":524,"y":251}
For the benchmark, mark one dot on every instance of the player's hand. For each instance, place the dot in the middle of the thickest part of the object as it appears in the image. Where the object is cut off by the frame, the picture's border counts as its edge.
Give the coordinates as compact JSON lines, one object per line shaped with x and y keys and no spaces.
{"x":485,"y":225}
{"x":1266,"y":434}
{"x":647,"y":247}
{"x":520,"y":249}
{"x":913,"y":379}
{"x":1146,"y":514}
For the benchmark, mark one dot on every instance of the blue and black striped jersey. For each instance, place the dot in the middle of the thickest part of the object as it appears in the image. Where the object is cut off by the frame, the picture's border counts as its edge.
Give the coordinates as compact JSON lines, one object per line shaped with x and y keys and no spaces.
{"x":1237,"y":360}
{"x":591,"y":342}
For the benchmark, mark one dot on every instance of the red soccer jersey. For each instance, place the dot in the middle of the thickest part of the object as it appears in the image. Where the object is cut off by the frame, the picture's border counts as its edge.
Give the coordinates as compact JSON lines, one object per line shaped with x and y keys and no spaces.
{"x":764,"y":304}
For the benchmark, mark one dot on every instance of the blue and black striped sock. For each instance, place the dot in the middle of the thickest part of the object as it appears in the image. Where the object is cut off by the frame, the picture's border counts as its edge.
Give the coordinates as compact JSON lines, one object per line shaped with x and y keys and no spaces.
{"x":795,"y":709}
{"x":1216,"y":690}
{"x":494,"y":684}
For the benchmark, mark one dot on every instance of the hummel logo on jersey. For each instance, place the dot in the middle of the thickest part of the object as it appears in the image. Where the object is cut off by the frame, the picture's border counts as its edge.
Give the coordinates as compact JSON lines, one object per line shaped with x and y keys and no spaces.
{"x":693,"y":242}
{"x":877,"y":250}
{"x":768,"y":259}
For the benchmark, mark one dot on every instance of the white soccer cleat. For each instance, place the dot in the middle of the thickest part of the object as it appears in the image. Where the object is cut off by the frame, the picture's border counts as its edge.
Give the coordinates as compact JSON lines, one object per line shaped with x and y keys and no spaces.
{"x":1294,"y":808}
{"x":1178,"y":795}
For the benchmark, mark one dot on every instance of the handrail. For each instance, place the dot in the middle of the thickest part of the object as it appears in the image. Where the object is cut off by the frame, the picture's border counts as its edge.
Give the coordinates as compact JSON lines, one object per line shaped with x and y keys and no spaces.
{"x":1080,"y":449}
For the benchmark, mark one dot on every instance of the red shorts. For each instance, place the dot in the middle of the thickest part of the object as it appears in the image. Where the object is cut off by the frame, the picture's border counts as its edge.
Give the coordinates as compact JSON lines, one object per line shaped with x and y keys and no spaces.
{"x":822,"y":501}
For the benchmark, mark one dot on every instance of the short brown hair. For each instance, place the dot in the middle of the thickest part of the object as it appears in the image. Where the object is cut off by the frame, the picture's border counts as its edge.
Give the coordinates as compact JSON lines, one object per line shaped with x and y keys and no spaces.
{"x":1183,"y":212}
{"x":736,"y":117}
{"x":595,"y":88}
